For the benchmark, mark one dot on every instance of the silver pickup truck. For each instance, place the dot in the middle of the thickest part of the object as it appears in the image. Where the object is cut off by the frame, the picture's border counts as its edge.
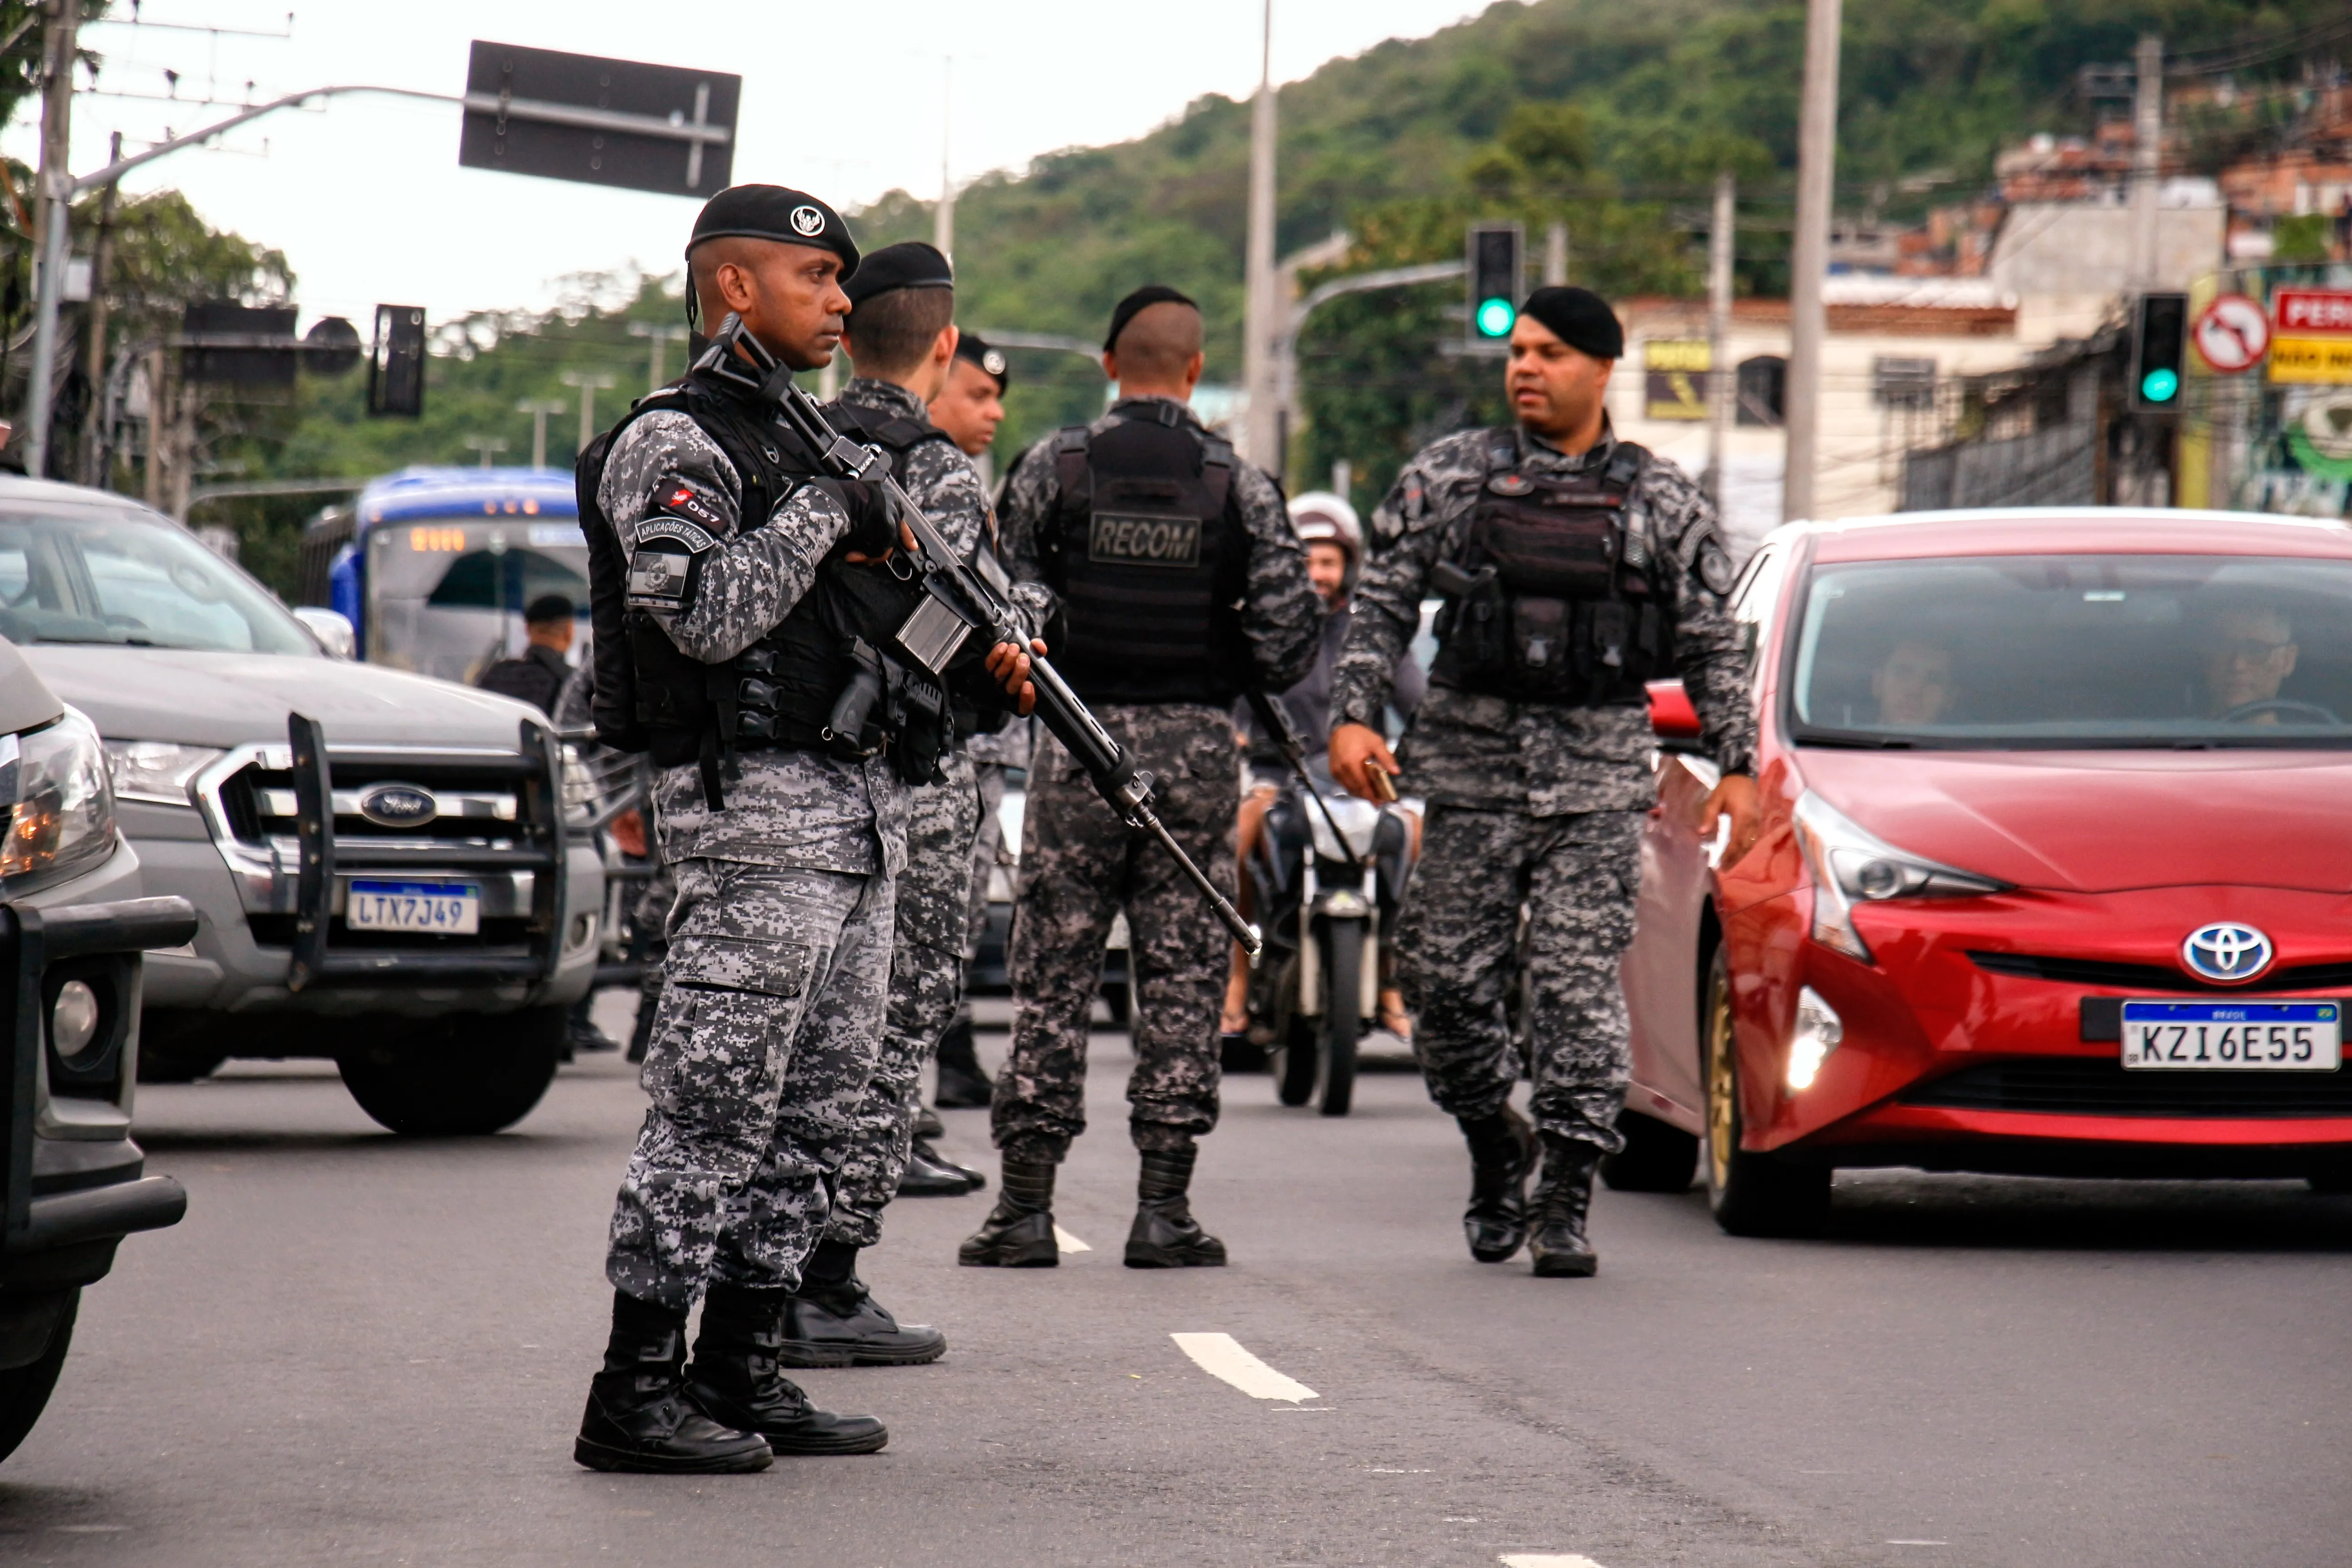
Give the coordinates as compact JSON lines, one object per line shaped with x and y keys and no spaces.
{"x":383,"y":865}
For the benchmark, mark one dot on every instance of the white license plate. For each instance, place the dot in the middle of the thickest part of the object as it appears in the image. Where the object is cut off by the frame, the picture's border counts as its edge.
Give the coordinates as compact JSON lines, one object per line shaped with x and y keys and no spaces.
{"x":442,"y":909}
{"x":2234,"y":1037}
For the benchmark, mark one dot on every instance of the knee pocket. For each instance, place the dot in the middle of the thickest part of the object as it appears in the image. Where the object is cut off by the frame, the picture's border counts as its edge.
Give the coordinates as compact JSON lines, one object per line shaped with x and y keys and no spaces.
{"x":726,"y":1008}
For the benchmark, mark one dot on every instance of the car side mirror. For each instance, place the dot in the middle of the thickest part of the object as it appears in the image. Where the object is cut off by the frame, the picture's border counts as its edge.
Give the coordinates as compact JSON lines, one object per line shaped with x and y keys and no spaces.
{"x":1672,"y":717}
{"x":330,"y":629}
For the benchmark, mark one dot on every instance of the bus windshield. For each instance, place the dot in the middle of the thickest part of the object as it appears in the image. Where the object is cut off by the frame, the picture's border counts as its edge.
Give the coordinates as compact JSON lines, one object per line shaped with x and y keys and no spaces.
{"x":446,"y":594}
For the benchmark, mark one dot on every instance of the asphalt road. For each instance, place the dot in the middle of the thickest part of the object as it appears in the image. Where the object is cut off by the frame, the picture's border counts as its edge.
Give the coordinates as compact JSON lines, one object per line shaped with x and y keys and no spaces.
{"x":362,"y":1350}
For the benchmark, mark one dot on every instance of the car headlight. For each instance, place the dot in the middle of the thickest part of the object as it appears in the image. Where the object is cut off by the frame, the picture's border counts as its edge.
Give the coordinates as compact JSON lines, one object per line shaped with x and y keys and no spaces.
{"x":155,"y":770}
{"x":61,"y":813}
{"x":1851,"y":866}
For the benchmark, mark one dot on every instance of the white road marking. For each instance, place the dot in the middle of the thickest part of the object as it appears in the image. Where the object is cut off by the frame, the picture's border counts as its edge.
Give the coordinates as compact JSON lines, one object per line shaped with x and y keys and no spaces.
{"x":1522,"y":1560}
{"x":1066,"y":1242}
{"x":1919,"y":1544}
{"x":1221,"y":1355}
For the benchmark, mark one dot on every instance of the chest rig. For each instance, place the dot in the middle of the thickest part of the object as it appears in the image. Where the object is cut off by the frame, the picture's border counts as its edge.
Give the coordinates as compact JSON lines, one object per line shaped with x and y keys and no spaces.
{"x":1149,"y":560}
{"x":1551,"y":595}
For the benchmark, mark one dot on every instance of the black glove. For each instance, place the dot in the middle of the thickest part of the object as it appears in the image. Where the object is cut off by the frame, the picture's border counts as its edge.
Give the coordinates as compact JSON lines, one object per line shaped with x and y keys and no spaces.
{"x":873,"y":516}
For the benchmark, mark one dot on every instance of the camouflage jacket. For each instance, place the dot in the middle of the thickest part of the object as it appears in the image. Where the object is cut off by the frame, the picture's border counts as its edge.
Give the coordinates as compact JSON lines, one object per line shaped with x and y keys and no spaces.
{"x":1467,"y":749}
{"x":788,"y":807}
{"x":936,"y":473}
{"x":1282,"y":617}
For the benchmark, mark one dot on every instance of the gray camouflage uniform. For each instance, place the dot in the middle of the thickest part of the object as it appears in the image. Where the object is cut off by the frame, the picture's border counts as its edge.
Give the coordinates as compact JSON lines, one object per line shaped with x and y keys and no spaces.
{"x":1081,"y":865}
{"x":927,"y":952}
{"x":780,"y":935}
{"x":1545,"y":799}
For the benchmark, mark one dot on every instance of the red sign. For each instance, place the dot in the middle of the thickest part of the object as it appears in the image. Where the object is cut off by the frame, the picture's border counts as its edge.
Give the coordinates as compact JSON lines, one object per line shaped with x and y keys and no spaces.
{"x":2232,"y":334}
{"x":2300,"y":311}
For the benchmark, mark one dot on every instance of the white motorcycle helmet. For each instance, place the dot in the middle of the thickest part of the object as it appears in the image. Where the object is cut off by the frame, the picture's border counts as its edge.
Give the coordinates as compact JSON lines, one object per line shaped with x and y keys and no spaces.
{"x":1323,"y":516}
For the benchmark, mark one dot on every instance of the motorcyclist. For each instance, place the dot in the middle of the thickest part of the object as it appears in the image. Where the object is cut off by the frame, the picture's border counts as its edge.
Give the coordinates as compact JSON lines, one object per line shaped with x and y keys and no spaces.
{"x":1333,"y":535}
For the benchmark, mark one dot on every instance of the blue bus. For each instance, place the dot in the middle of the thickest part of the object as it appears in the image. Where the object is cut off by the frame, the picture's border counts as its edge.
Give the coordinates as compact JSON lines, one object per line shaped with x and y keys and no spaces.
{"x":433,"y":565}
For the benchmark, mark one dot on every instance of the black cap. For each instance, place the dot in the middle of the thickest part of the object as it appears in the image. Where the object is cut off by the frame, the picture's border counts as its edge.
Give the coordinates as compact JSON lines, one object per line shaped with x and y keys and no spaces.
{"x":975,"y":348}
{"x":772,"y":212}
{"x":1579,"y":318}
{"x":909,"y":264}
{"x":548,"y":607}
{"x":1148,"y":295}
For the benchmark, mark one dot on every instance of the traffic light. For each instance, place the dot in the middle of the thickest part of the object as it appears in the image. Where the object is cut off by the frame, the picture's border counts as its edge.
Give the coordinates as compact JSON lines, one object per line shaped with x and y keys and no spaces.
{"x":1492,"y":263}
{"x":397,"y":365}
{"x":2159,"y":346}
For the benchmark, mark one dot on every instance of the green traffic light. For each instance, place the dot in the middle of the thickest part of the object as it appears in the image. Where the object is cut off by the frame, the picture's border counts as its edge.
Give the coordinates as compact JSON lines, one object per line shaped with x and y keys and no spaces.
{"x":1495,"y":318}
{"x":2160,"y":384}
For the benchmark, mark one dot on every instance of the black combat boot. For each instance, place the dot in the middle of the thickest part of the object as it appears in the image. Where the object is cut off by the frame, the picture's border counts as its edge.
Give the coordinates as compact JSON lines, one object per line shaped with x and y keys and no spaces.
{"x":928,"y":1123}
{"x":1020,"y":1230}
{"x":928,"y":1176}
{"x":1562,"y":1200}
{"x":963,"y":1083}
{"x":1165,"y":1235}
{"x":738,"y":1376}
{"x":640,"y":1417}
{"x":1502,"y":1152}
{"x":834,"y":1320}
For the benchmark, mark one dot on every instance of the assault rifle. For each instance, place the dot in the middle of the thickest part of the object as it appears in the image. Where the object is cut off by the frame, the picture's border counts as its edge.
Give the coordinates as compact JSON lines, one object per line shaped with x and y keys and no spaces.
{"x":1275,"y":720}
{"x":960,"y":601}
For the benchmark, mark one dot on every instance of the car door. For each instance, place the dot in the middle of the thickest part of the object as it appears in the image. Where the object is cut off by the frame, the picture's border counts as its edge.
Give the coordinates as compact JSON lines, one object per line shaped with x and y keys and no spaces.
{"x":1661,"y":970}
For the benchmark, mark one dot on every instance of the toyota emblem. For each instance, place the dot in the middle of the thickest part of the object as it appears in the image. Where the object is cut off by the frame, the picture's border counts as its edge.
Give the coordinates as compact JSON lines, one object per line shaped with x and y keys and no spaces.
{"x":2227,"y":952}
{"x":399,"y":806}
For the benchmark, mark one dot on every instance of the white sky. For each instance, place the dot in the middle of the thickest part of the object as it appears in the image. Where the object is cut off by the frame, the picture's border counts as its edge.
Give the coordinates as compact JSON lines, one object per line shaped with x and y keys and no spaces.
{"x":368,"y":202}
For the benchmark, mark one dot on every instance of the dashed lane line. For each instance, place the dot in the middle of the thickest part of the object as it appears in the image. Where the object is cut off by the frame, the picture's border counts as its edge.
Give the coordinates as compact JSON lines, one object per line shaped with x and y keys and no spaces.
{"x":1064,"y":1241}
{"x":1522,"y":1560}
{"x":1221,"y":1356}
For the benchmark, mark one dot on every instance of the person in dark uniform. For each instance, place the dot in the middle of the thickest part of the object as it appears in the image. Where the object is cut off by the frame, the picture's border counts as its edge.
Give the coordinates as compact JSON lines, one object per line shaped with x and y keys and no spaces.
{"x":1575,"y":568}
{"x":970,"y":406}
{"x":1180,"y":584}
{"x":538,"y":676}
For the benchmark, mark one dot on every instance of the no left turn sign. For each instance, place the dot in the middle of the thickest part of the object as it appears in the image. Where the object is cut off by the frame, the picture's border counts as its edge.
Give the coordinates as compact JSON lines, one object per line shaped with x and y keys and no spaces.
{"x":2231,"y":333}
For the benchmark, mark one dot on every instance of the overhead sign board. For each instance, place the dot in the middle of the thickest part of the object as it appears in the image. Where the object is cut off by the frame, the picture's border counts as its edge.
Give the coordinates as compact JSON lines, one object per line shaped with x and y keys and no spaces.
{"x":2312,"y":345}
{"x":602,"y":122}
{"x":2232,"y":334}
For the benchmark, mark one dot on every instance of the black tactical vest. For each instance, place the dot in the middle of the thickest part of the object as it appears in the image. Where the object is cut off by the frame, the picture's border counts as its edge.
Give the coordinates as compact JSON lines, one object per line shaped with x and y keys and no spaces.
{"x":1552,"y":599}
{"x":782,"y":691}
{"x":1150,"y":559}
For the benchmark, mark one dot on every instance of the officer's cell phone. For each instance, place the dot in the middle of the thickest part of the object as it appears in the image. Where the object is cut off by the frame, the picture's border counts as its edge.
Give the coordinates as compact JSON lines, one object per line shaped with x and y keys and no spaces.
{"x":1382,"y":785}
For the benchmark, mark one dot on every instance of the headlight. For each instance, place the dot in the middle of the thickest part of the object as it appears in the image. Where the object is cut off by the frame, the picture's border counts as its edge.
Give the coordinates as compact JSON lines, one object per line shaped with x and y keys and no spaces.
{"x":156,"y":771}
{"x":61,"y":814}
{"x":1852,"y":867}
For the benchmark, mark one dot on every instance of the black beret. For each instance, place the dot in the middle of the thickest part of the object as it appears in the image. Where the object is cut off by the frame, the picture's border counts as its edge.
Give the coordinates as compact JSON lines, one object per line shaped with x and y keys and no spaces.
{"x":1579,"y":318}
{"x":548,"y":607}
{"x":975,"y":348}
{"x":1149,"y":294}
{"x":772,"y":212}
{"x":909,"y":264}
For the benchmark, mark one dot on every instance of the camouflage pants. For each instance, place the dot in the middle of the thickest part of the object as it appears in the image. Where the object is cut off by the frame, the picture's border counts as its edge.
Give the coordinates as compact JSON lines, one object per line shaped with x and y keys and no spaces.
{"x":1080,"y":866}
{"x":765,"y":1039}
{"x":989,"y":778}
{"x":650,"y":921}
{"x":1458,"y":957}
{"x":926,"y":983}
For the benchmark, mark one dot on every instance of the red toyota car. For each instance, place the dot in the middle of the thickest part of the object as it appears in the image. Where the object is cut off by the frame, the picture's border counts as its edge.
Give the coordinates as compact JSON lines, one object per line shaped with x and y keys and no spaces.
{"x":2056,"y":872}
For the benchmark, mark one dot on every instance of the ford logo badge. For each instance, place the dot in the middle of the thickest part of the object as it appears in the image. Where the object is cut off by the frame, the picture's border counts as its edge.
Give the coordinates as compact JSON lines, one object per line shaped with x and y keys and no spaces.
{"x":2227,"y":951}
{"x":398,"y":805}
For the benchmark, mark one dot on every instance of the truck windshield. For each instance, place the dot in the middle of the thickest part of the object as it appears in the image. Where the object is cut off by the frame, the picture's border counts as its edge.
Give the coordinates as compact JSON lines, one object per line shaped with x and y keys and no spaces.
{"x":72,"y":574}
{"x":2076,"y":651}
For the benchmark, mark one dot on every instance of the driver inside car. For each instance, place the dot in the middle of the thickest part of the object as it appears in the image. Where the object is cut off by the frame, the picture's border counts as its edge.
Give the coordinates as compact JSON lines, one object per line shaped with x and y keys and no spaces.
{"x":2249,"y":652}
{"x":1913,"y":684}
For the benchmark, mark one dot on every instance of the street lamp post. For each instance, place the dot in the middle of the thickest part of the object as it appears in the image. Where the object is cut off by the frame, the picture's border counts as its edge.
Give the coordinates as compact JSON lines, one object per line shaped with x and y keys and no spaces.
{"x":487,"y":445}
{"x":660,"y":335}
{"x":589,"y":383}
{"x":1809,"y":258}
{"x":539,"y":408}
{"x":1261,"y":312}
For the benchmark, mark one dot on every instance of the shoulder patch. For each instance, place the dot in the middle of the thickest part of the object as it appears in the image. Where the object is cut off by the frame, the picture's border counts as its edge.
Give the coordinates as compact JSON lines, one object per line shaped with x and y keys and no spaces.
{"x":1714,"y":565}
{"x":1511,"y":484}
{"x":674,"y":531}
{"x":686,"y":500}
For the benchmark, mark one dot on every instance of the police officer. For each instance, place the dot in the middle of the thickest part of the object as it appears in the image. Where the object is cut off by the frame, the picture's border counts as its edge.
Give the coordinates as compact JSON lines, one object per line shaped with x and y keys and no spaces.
{"x":1179,"y":584}
{"x":969,"y":409}
{"x":742,"y":577}
{"x":537,"y":676}
{"x":1574,"y":567}
{"x":901,"y":339}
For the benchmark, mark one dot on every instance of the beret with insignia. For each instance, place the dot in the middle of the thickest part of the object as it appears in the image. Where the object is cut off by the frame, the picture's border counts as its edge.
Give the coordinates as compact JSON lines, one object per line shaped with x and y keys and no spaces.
{"x":776,"y":213}
{"x":978,"y":349}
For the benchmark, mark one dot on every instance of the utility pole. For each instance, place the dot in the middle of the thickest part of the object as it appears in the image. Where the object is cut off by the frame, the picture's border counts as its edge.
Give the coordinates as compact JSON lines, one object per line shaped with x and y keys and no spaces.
{"x":156,"y":418}
{"x":59,"y":35}
{"x":2147,"y":149}
{"x":1262,"y":310}
{"x":487,"y":445}
{"x":589,"y":383}
{"x":943,"y":216}
{"x":659,"y":335}
{"x":1722,"y":380}
{"x":101,"y":256}
{"x":539,"y":408}
{"x":1809,"y":261}
{"x":1555,"y":272}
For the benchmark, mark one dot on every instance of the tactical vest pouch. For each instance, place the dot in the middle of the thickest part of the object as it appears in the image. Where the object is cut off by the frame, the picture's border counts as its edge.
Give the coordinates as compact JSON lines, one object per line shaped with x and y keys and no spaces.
{"x":1560,"y":543}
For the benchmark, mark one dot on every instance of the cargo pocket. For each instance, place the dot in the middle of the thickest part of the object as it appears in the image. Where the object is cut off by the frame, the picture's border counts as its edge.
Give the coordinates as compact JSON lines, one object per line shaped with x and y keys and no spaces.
{"x":727,"y":1010}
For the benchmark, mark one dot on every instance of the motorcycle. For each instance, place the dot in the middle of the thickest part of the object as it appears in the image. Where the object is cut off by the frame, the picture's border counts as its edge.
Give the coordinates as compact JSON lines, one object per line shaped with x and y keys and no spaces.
{"x":1330,"y":872}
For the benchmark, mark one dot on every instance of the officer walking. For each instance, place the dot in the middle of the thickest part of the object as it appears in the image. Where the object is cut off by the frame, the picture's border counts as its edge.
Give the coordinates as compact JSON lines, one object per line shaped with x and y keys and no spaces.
{"x":1574,"y":567}
{"x":741,"y":572}
{"x":901,"y":339}
{"x":1181,"y":585}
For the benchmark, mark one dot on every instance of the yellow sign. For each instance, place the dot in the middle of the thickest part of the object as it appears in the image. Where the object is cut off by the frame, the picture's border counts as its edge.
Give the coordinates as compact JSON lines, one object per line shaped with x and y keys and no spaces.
{"x":1675,"y":378}
{"x":2312,"y":362}
{"x":1676,"y":354}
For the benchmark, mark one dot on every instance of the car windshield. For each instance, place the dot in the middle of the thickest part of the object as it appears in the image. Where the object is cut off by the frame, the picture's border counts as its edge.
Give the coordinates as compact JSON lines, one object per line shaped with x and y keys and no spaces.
{"x":2076,"y":650}
{"x":90,"y":575}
